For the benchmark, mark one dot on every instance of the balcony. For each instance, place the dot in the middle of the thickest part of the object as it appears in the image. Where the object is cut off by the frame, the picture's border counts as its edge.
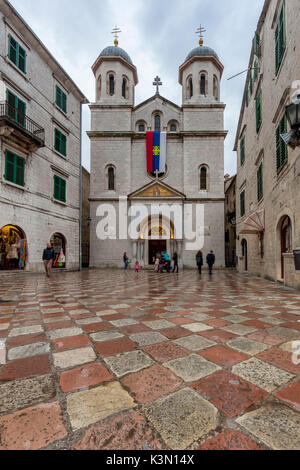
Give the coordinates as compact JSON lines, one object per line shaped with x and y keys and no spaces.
{"x":20,"y":128}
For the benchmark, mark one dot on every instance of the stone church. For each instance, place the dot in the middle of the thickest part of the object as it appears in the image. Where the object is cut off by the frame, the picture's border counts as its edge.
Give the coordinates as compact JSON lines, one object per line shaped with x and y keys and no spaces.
{"x":194,"y":174}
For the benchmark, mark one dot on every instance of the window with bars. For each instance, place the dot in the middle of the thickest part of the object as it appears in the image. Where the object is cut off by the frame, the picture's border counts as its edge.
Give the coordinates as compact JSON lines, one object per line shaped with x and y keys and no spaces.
{"x":16,"y":108}
{"x":258,"y":111}
{"x":242,"y":202}
{"x":281,"y":147}
{"x":14,"y":168}
{"x":61,"y":99}
{"x":16,"y":54}
{"x":60,"y":142}
{"x":59,"y":192}
{"x":260,"y":187}
{"x":280,"y":38}
{"x":242,"y":151}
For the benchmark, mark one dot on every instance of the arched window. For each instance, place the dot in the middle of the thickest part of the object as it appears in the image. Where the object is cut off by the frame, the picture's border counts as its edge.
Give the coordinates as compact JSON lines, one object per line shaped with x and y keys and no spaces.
{"x":111,"y":178}
{"x":99,"y":84}
{"x":202,"y":84}
{"x":157,"y":123}
{"x":124,"y":87}
{"x":203,"y":176}
{"x":191,"y":88}
{"x":141,"y":127}
{"x":111,"y":85}
{"x":216,"y":87}
{"x":173,"y":128}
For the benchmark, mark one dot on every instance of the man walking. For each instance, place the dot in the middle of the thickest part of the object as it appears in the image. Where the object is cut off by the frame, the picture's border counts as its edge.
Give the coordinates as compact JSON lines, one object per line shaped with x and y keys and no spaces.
{"x":210,"y":259}
{"x":48,"y":257}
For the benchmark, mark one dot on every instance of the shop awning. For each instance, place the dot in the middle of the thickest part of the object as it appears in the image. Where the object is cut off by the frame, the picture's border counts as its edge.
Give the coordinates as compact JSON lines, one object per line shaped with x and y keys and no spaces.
{"x":254,"y":224}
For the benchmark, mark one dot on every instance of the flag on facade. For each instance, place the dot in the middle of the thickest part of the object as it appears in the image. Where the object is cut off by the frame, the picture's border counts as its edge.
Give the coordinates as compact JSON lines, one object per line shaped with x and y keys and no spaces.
{"x":156,"y":143}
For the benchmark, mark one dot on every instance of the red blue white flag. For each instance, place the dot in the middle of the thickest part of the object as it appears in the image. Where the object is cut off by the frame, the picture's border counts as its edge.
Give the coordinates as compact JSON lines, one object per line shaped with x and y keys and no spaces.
{"x":156,"y":143}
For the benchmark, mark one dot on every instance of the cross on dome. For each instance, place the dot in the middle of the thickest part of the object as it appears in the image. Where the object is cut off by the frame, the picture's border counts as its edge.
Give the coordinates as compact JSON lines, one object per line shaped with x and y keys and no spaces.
{"x":116,"y":31}
{"x":200,"y":31}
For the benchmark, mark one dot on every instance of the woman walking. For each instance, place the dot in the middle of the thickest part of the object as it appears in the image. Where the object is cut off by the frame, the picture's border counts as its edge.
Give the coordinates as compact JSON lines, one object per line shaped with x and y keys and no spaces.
{"x":199,"y":261}
{"x":125,"y":260}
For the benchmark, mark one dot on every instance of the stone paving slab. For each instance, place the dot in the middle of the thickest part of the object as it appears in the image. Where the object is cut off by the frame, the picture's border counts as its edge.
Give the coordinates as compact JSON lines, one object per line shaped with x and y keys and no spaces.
{"x":194,"y":343}
{"x":182,"y":417}
{"x":66,"y":359}
{"x":35,"y":349}
{"x":262,"y":374}
{"x":191,"y":368}
{"x":85,"y":408}
{"x":128,"y":362}
{"x":277,"y":426}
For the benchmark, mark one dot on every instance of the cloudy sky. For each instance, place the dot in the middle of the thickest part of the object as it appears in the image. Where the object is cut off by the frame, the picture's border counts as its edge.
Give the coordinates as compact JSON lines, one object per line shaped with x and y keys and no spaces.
{"x":158,"y":35}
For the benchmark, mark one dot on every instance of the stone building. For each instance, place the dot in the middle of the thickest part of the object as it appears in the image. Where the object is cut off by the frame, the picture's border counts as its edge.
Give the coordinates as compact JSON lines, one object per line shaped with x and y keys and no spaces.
{"x":40,"y":155}
{"x":85,"y":218}
{"x":268,"y":176}
{"x":195,"y":158}
{"x":230,"y":221}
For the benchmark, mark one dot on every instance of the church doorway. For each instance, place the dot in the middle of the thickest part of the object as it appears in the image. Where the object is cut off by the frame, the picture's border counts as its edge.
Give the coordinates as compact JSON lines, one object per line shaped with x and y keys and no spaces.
{"x":13,"y":248}
{"x":155,"y":247}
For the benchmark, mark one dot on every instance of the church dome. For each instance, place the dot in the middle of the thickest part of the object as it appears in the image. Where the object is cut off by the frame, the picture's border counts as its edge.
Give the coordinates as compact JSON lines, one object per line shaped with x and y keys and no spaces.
{"x":116,"y":51}
{"x":202,"y":50}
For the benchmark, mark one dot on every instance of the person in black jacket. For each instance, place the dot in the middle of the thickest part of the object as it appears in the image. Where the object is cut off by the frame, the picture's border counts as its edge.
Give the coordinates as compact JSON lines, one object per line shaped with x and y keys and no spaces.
{"x":199,"y":261}
{"x":175,"y":259}
{"x":48,"y":258}
{"x":210,"y":259}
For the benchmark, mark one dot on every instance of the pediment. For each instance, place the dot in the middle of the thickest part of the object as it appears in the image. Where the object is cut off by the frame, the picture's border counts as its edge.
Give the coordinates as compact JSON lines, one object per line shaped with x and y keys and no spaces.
{"x":156,"y":190}
{"x":157,"y":100}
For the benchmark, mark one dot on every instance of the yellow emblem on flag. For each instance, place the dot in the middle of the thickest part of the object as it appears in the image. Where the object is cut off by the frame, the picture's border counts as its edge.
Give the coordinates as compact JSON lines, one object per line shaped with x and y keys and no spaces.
{"x":156,"y":150}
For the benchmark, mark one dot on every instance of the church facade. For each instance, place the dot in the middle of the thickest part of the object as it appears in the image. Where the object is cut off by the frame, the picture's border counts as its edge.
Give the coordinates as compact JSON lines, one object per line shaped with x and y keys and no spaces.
{"x":193,"y":180}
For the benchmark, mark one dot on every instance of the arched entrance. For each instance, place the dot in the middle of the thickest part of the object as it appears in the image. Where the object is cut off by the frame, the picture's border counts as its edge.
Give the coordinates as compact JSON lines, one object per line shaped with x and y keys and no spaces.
{"x":58,"y":242}
{"x":285,"y":227}
{"x":245,"y":254}
{"x":157,"y":234}
{"x":13,"y":248}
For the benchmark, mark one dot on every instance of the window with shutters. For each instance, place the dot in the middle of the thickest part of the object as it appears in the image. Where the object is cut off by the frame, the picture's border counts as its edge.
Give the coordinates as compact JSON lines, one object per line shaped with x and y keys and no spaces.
{"x":281,"y":147}
{"x":242,"y":203}
{"x":260,"y":188}
{"x":251,"y":83}
{"x":280,"y":38}
{"x":258,"y":111}
{"x":14,"y":168}
{"x":16,"y":54}
{"x":242,"y":151}
{"x":255,"y":70}
{"x":16,"y":108}
{"x":61,"y":99}
{"x":257,"y":45}
{"x":59,"y":192}
{"x":60,"y":142}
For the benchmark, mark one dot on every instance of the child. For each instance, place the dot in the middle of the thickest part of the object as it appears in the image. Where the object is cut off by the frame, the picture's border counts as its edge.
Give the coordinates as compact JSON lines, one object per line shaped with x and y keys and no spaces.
{"x":156,"y":265}
{"x":136,"y":267}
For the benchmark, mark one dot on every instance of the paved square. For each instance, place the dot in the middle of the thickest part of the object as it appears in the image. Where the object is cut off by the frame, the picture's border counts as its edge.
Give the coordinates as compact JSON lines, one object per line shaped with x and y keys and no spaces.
{"x":153,"y":362}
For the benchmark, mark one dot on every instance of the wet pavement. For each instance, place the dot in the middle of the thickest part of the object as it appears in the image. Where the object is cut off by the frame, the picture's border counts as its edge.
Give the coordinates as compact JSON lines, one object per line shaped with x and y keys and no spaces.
{"x":106,"y":359}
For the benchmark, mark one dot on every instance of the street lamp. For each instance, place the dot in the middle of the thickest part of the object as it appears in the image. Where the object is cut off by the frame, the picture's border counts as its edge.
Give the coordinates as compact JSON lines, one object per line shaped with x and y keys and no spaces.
{"x":292,"y":112}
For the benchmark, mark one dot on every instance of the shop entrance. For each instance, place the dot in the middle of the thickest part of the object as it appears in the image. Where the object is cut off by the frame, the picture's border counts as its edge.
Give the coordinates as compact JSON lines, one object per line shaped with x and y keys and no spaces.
{"x":13,"y":248}
{"x":58,"y":243}
{"x":155,"y":247}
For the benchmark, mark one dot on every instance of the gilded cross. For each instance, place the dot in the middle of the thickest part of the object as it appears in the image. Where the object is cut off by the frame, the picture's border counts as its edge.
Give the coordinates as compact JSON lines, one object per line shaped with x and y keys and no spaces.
{"x":200,"y":31}
{"x":116,"y":31}
{"x":157,"y":83}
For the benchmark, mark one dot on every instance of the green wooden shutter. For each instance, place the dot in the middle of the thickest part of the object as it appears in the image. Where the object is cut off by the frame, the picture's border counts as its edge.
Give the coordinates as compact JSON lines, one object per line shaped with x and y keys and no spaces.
{"x":255,"y":69}
{"x":251,"y":83}
{"x":12,"y":49}
{"x":258,"y":111}
{"x":280,"y":38}
{"x":9,"y":166}
{"x":61,"y":99}
{"x":260,"y":182}
{"x":63,"y":190}
{"x":22,"y":59}
{"x":19,"y":174}
{"x":242,"y":151}
{"x":11,"y":110}
{"x":242,"y":198}
{"x":247,"y":97}
{"x":63,"y":141}
{"x":281,"y":147}
{"x":56,"y":187}
{"x":21,"y":112}
{"x":64,"y":102}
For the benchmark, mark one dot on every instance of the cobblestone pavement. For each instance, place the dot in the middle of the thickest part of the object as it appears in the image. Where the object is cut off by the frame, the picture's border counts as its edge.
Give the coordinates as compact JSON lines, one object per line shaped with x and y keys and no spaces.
{"x":114,"y":360}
